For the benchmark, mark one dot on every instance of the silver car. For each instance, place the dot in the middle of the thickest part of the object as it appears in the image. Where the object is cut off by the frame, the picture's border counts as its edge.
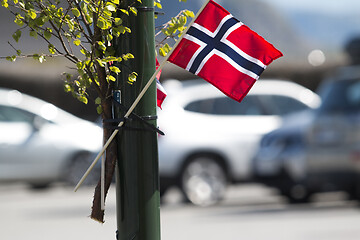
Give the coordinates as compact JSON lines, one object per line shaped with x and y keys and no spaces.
{"x":316,"y":151}
{"x":210,"y":139}
{"x":40,"y":143}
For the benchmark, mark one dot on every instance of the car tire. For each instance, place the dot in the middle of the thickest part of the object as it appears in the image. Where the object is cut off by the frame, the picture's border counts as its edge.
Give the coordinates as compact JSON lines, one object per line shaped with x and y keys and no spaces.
{"x":296,"y":193}
{"x":203,"y":180}
{"x":76,"y":169}
{"x":40,"y":186}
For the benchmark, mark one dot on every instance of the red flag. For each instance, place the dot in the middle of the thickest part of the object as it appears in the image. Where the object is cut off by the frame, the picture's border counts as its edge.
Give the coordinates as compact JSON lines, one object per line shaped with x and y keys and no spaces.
{"x":160,"y":91}
{"x":223,"y":51}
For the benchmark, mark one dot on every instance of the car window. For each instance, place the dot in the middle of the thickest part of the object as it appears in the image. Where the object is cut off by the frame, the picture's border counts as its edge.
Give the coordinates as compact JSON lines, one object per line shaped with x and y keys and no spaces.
{"x":200,"y":106}
{"x":282,"y":105}
{"x":341,"y":96}
{"x":12,"y":114}
{"x":226,"y":106}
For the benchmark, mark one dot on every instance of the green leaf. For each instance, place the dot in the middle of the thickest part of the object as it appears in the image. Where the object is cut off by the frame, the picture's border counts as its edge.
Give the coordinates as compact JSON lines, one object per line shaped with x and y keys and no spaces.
{"x":19,"y":22}
{"x":162,"y":52}
{"x":110,"y":59}
{"x":18,"y":52}
{"x":118,"y":21}
{"x":132,"y":77}
{"x":158,"y":5}
{"x":83,"y":99}
{"x":99,"y":109}
{"x":118,"y":30}
{"x":4,"y":3}
{"x":11,"y":58}
{"x":107,"y":14}
{"x":124,"y":11}
{"x":189,"y":13}
{"x":110,"y":78}
{"x":98,"y":100}
{"x":47,"y":33}
{"x":77,"y":42}
{"x":101,"y":45}
{"x":16,"y":36}
{"x":76,"y":12}
{"x":91,"y":8}
{"x":115,"y":69}
{"x":32,"y":14}
{"x":101,"y":62}
{"x":127,"y":56}
{"x":110,"y":6}
{"x":33,"y":34}
{"x":167,"y":48}
{"x":101,"y":23}
{"x":133,"y":10}
{"x":39,"y":58}
{"x":83,"y":51}
{"x":182,"y":20}
{"x":80,"y":65}
{"x":109,"y":37}
{"x":68,"y":88}
{"x":51,"y":49}
{"x":71,"y":26}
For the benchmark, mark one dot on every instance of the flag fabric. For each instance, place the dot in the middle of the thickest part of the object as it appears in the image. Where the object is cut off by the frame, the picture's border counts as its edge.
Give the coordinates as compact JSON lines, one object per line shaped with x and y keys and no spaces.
{"x":160,"y":91}
{"x":223,"y":51}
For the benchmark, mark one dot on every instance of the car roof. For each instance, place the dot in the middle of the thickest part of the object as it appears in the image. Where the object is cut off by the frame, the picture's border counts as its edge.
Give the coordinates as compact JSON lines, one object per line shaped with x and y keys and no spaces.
{"x":190,"y":90}
{"x":12,"y":97}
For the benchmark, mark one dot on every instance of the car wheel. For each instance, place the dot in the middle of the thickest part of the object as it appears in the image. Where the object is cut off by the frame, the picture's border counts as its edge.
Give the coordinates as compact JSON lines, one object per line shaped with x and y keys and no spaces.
{"x":297,"y":193}
{"x":203,"y":181}
{"x":40,"y":186}
{"x":76,"y":169}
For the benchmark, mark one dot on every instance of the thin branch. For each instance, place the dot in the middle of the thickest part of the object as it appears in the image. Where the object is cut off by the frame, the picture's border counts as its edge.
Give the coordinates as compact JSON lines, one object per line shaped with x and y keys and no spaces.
{"x":83,"y":18}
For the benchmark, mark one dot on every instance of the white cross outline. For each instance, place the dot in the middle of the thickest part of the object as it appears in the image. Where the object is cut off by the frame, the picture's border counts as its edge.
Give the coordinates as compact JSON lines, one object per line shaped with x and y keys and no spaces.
{"x":217,"y":52}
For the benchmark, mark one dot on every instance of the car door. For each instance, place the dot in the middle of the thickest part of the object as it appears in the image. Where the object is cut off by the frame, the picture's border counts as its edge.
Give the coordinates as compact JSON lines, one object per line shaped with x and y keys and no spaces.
{"x":24,"y":153}
{"x":15,"y":132}
{"x":335,"y":132}
{"x":230,"y":128}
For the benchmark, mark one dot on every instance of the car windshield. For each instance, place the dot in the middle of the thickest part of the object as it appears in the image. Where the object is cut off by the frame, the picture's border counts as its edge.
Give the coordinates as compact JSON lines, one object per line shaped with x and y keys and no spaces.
{"x":341,"y":96}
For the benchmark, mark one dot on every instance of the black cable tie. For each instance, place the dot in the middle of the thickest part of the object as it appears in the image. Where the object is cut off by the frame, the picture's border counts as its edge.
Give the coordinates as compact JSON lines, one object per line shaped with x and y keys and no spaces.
{"x":142,"y":119}
{"x":145,"y":9}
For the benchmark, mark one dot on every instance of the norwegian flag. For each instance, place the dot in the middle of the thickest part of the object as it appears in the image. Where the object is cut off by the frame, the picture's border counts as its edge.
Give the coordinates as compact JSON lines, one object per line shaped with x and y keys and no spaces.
{"x":160,"y":91}
{"x":223,"y":51}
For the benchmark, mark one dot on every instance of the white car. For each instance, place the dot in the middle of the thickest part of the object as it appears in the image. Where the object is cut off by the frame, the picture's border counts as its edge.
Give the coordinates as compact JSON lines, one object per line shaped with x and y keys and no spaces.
{"x":210,"y":139}
{"x":40,"y":143}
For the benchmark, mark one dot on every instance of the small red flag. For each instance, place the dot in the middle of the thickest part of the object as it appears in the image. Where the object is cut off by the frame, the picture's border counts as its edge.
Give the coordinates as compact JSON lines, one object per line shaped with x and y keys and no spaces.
{"x":160,"y":91}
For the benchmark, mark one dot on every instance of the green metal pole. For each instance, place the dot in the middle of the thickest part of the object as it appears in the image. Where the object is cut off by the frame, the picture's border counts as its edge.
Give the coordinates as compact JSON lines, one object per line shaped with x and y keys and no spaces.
{"x":137,"y":180}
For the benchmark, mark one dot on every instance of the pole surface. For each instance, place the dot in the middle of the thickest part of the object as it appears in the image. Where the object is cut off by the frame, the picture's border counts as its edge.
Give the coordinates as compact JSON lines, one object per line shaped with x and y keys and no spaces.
{"x":137,"y":180}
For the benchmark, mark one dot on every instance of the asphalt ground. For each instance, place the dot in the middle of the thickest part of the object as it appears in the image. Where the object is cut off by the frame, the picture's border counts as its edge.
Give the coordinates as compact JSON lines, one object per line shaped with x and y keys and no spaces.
{"x":249,"y":212}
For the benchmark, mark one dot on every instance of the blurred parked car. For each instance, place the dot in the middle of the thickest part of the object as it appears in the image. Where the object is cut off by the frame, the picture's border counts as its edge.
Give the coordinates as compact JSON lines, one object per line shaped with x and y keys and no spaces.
{"x":210,"y":139}
{"x":319,"y":150}
{"x":40,"y":143}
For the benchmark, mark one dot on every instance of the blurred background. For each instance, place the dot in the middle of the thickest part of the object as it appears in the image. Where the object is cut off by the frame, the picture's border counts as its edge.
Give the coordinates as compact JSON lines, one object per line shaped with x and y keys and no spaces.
{"x":291,"y":173}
